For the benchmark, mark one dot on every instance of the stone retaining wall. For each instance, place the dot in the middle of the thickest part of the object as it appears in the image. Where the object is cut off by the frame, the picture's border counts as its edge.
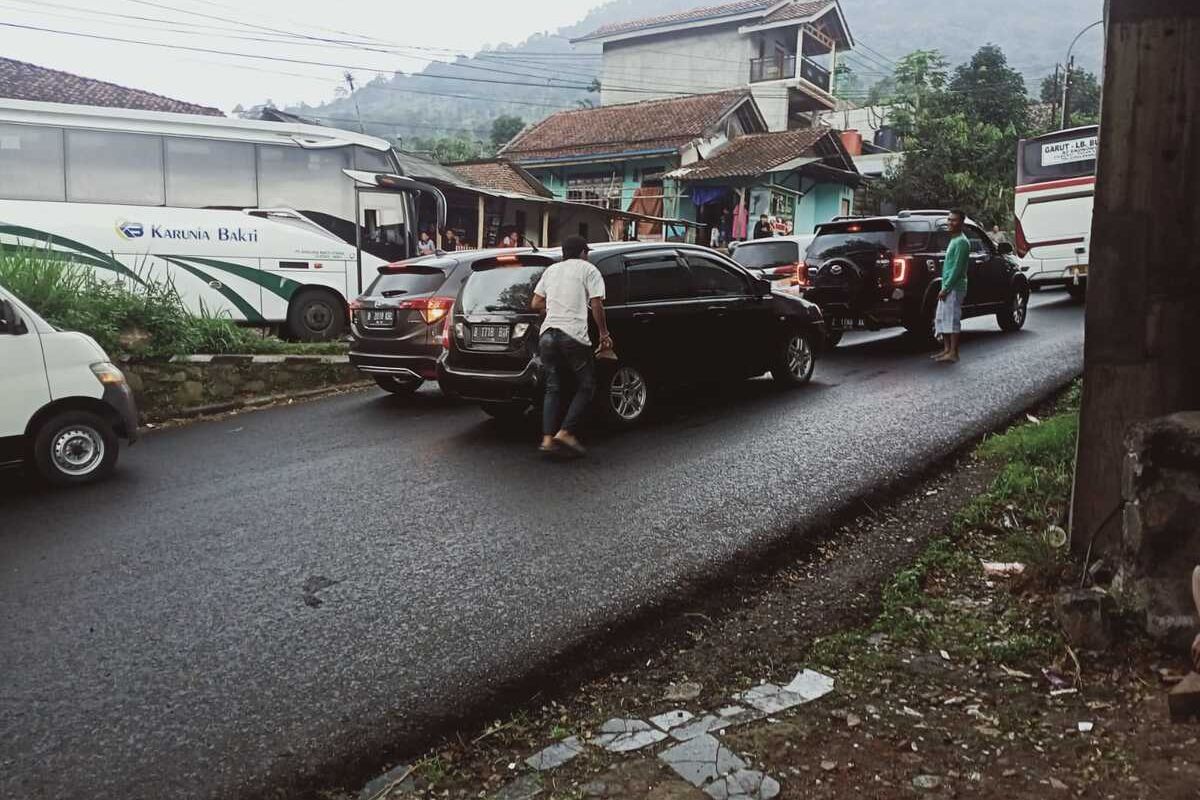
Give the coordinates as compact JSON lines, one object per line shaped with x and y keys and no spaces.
{"x":192,"y":385}
{"x":1161,"y":530}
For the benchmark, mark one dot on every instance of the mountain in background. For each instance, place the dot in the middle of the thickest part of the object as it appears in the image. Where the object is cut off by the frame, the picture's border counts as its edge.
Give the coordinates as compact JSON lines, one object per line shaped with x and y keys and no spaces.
{"x":545,"y":73}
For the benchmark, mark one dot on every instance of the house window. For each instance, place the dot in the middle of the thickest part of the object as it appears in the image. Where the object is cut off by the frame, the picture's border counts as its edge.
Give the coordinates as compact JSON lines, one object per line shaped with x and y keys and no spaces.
{"x":845,"y":212}
{"x":601,"y":189}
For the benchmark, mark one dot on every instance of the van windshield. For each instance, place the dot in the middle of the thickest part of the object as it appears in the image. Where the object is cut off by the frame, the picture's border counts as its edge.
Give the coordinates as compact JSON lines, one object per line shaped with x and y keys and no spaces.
{"x":501,"y":289}
{"x":753,"y":255}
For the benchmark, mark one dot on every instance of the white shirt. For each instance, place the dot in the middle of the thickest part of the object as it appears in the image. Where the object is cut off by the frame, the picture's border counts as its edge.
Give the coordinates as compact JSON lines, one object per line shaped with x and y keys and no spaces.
{"x":568,"y":287}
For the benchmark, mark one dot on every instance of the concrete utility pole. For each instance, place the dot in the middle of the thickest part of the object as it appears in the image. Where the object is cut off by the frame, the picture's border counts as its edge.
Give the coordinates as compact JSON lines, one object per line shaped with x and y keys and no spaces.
{"x":1142,"y":350}
{"x":1066,"y":104}
{"x":349,"y":76}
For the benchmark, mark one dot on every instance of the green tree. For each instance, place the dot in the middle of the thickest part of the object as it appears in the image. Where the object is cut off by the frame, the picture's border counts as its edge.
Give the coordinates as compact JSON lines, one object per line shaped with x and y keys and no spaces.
{"x":448,"y":149}
{"x":504,"y":128}
{"x":960,"y":135}
{"x":1085,"y":96}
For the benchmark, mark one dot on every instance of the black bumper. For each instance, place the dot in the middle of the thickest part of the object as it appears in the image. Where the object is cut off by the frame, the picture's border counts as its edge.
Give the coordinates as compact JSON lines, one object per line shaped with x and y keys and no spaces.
{"x":120,"y":398}
{"x":492,"y":387}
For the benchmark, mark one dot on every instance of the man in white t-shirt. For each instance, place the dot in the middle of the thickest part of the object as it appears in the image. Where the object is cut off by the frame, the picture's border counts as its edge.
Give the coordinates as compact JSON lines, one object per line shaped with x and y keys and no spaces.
{"x":566,"y":291}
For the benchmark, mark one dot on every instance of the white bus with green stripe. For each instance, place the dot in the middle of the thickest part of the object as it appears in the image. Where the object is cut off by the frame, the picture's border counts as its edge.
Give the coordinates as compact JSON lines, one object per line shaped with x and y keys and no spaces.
{"x":267,"y":223}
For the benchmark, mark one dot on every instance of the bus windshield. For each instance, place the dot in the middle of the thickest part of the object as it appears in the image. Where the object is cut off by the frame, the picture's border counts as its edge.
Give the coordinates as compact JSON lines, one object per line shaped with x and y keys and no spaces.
{"x":1058,"y":156}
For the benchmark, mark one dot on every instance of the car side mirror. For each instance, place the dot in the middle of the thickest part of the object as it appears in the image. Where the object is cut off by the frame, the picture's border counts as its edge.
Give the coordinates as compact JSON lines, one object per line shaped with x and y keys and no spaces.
{"x":1004,"y":249}
{"x":761,"y":286}
{"x":8,"y":317}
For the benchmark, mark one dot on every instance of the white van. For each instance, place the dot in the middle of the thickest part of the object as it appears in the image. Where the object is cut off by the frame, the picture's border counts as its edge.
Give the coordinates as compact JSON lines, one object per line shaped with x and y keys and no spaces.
{"x":63,"y":404}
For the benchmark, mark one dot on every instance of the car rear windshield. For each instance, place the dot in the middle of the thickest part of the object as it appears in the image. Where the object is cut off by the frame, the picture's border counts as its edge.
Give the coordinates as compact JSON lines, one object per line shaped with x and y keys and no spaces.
{"x":410,"y":278}
{"x":766,"y":255}
{"x":845,"y":238}
{"x":501,"y":289}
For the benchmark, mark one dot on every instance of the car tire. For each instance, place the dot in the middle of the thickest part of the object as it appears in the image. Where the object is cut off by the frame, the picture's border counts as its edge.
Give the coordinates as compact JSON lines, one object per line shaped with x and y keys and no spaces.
{"x":833,"y":339}
{"x":1016,"y":311}
{"x":625,"y":396}
{"x":316,"y":315}
{"x":75,"y":447}
{"x":1077,"y":291}
{"x":795,"y":361}
{"x":923,"y":328}
{"x":397,"y":386}
{"x":509,"y":413}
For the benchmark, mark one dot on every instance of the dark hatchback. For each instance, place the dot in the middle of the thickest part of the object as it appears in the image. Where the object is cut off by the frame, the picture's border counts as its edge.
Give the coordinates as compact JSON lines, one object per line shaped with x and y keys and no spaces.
{"x":679,"y":315}
{"x":881,"y":272}
{"x":397,"y":324}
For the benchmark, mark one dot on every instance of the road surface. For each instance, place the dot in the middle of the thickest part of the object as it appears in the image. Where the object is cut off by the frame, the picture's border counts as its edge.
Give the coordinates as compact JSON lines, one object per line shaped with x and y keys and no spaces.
{"x":279,"y":599}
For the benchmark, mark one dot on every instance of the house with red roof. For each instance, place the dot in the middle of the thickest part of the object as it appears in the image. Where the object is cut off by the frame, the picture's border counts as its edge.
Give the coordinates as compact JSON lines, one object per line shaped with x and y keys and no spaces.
{"x":20,"y":80}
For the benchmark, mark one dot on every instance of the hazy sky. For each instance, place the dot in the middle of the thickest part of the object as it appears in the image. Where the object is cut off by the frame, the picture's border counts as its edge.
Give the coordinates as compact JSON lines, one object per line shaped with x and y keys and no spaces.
{"x":418,"y":29}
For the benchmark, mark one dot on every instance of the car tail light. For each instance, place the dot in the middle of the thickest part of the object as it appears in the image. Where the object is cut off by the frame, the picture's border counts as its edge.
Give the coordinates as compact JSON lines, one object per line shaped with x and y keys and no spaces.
{"x":900,"y":270}
{"x":1023,"y":247}
{"x":432,"y":309}
{"x":449,"y":315}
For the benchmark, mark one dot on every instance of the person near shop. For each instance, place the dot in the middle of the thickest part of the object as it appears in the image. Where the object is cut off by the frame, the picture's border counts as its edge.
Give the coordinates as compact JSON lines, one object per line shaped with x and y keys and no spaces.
{"x":997,"y":236}
{"x":948,"y":322}
{"x":565,"y":293}
{"x":449,"y":240}
{"x":762,"y":228}
{"x":426,"y":245}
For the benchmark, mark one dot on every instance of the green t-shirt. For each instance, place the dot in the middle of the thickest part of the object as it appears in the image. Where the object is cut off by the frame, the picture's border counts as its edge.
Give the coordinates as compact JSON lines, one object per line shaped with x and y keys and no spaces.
{"x":954,"y":268}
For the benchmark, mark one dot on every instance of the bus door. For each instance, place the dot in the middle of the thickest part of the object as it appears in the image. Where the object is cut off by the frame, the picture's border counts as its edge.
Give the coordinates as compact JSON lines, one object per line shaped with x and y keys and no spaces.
{"x":388,"y":226}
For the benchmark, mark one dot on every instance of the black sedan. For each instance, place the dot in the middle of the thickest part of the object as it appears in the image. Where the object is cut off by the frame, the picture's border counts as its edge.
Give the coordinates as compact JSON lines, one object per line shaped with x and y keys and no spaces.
{"x":679,"y":315}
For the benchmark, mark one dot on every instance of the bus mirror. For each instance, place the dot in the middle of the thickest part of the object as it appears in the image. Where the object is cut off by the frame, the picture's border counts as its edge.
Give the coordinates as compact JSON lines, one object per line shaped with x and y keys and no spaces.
{"x":1005,"y":249}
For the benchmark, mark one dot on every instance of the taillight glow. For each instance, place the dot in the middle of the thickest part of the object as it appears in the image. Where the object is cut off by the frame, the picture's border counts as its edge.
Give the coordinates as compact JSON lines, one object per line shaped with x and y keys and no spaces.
{"x":433,"y":309}
{"x":449,"y":315}
{"x":900,"y":270}
{"x":802,"y":275}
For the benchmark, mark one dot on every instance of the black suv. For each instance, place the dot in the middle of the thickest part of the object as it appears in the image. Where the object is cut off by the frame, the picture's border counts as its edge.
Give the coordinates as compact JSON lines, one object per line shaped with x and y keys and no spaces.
{"x":678,"y":314}
{"x":881,"y":272}
{"x":398,"y":322}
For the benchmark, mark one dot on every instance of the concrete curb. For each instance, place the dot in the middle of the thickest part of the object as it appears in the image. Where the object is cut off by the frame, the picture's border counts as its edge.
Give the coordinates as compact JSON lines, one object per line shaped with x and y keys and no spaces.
{"x":257,"y":402}
{"x":268,"y":359}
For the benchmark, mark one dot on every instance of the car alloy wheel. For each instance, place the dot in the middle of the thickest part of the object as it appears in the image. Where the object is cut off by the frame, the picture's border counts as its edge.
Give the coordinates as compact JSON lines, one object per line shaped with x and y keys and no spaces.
{"x":627,"y":394}
{"x":799,"y":357}
{"x":1020,"y":308}
{"x":77,"y":450}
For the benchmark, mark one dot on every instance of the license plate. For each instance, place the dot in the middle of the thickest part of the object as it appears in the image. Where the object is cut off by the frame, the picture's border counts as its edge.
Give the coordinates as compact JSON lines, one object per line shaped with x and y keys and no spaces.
{"x":842,"y":323}
{"x":490,"y":334}
{"x":381,"y":318}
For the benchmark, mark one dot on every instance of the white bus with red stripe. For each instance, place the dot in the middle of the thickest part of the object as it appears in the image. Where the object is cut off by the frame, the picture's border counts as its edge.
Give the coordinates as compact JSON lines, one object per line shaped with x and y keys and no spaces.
{"x":1056,"y":186}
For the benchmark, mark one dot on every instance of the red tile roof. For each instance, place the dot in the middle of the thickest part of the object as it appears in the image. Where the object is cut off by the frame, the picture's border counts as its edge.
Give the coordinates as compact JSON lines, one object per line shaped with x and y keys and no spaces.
{"x":501,"y":176}
{"x":649,"y":125}
{"x":22,"y":81}
{"x":798,"y":11}
{"x":759,"y":153}
{"x":691,"y":15}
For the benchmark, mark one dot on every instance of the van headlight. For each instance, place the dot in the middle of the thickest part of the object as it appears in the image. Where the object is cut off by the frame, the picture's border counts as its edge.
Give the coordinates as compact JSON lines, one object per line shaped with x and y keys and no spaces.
{"x":107,"y":373}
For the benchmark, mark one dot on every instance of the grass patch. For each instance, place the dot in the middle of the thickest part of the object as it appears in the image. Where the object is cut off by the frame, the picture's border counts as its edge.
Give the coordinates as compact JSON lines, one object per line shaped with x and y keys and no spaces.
{"x":128,"y":319}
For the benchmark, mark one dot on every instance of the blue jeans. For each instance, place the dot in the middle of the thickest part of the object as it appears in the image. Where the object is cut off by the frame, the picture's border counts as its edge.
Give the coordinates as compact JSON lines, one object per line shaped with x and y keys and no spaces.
{"x":563,"y":358}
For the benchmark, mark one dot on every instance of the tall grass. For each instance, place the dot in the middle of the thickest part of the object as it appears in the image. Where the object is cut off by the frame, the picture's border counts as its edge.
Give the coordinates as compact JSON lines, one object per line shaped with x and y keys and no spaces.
{"x":129,"y":319}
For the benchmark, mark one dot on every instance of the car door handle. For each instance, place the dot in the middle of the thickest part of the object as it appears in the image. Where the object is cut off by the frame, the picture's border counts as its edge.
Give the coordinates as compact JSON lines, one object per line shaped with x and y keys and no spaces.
{"x":643,"y":315}
{"x":718,"y":309}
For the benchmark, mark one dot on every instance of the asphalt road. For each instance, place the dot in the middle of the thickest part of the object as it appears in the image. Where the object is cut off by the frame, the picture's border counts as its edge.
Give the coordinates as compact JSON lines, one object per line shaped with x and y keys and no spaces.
{"x":257,"y":600}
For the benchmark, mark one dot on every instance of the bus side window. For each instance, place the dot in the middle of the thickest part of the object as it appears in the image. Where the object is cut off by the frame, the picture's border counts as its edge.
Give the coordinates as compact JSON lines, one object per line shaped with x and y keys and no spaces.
{"x":31,"y":163}
{"x":111,"y":167}
{"x":205,"y":173}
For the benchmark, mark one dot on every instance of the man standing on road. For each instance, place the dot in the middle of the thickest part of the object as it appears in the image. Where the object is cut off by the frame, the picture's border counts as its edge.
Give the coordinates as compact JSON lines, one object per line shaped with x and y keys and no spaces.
{"x":948,"y":322}
{"x":565,"y":292}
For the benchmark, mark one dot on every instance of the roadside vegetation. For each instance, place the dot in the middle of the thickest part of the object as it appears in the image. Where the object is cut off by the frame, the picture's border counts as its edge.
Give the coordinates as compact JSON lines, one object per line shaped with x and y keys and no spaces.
{"x":146,"y":320}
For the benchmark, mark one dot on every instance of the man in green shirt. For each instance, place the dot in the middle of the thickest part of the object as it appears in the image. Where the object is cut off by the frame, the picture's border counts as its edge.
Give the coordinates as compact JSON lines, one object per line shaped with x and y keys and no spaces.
{"x":948,"y":323}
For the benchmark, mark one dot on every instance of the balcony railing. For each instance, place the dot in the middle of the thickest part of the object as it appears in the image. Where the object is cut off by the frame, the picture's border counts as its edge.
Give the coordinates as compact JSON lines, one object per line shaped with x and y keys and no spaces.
{"x":782,"y":67}
{"x":772,"y":69}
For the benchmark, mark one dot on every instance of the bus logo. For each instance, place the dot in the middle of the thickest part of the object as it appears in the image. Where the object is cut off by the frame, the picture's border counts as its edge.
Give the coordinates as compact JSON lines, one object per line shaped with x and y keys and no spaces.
{"x":130,"y":230}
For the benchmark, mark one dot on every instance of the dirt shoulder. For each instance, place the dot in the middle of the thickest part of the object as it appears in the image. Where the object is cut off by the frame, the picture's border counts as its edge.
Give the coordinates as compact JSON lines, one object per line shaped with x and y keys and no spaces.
{"x":947,"y":679}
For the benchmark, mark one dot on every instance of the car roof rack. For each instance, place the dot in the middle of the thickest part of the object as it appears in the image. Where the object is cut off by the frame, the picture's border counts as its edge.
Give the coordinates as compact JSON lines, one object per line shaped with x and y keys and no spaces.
{"x":925,"y":212}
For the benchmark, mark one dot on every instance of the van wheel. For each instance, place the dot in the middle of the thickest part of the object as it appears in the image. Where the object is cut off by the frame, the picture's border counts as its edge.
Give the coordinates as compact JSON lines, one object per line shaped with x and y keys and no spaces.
{"x":795,"y":361}
{"x":316,"y":315}
{"x":395,"y":385}
{"x":1015,"y":312}
{"x":75,"y":447}
{"x":626,"y":396}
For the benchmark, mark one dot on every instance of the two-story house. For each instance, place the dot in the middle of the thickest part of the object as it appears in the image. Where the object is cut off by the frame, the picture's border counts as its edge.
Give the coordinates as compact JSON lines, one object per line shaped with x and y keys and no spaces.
{"x":784,"y":51}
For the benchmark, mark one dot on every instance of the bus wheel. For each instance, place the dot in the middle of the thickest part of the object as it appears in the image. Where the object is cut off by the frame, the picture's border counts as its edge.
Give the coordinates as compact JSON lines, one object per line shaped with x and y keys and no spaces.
{"x":316,"y":315}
